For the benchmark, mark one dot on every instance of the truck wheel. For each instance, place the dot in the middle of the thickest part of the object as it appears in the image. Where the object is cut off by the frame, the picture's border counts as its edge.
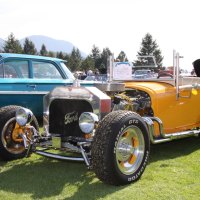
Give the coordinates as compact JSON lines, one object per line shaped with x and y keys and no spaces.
{"x":11,"y":145}
{"x":120,"y":149}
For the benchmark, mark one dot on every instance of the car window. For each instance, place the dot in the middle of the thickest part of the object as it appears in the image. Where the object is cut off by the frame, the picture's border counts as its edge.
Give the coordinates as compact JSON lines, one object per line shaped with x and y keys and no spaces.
{"x":14,"y":69}
{"x":43,"y":70}
{"x":90,"y":78}
{"x":67,"y":71}
{"x":1,"y":71}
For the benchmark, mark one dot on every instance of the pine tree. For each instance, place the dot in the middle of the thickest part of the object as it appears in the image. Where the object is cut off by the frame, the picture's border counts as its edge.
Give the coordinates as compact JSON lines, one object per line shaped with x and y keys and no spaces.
{"x":43,"y":51}
{"x":149,"y":47}
{"x":60,"y":55}
{"x":100,"y":59}
{"x":29,"y":47}
{"x":104,"y":60}
{"x":51,"y":54}
{"x":96,"y":56}
{"x":88,"y":64}
{"x":122,"y":57}
{"x":75,"y":59}
{"x":66,"y":57}
{"x":95,"y":53}
{"x":12,"y":45}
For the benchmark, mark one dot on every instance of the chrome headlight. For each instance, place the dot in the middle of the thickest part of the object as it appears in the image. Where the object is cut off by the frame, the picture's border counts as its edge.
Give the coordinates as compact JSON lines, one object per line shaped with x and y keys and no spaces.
{"x":23,"y":116}
{"x":87,"y":122}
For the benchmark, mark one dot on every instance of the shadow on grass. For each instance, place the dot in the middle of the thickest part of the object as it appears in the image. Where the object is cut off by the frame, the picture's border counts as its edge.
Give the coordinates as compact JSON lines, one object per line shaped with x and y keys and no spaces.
{"x":173,"y":149}
{"x":46,"y":178}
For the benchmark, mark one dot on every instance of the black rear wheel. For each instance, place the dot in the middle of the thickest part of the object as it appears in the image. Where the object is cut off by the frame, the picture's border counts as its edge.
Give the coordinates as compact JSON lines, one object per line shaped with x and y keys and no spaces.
{"x":11,"y":144}
{"x":120,"y":149}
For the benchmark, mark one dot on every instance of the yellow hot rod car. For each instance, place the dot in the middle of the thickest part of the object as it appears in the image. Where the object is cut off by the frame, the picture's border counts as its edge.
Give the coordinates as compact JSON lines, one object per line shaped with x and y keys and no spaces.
{"x":109,"y":126}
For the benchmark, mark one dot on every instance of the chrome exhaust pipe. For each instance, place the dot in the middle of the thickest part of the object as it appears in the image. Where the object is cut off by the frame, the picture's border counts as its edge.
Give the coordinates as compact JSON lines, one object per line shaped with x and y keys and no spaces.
{"x":165,"y":137}
{"x":150,"y":126}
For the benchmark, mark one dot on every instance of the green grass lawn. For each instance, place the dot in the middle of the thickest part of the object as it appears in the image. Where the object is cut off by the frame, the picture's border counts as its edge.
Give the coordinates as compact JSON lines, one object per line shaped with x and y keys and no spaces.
{"x":173,"y":172}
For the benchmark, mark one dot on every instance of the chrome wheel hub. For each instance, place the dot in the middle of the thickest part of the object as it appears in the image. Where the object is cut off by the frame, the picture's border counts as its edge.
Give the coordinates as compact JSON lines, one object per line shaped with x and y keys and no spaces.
{"x":10,"y":138}
{"x":125,"y":149}
{"x":130,"y":150}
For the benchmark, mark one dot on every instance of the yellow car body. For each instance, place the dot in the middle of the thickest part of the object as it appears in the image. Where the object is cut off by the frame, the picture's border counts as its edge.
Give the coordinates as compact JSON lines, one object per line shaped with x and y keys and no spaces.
{"x":177,"y":114}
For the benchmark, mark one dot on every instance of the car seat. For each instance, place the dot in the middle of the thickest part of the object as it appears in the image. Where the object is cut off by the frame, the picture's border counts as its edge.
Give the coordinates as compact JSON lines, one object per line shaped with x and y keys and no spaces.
{"x":196,"y":65}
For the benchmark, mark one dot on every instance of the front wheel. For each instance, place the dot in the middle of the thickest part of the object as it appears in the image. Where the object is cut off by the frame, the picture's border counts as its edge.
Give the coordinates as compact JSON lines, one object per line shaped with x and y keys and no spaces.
{"x":11,"y":144}
{"x":120,"y":149}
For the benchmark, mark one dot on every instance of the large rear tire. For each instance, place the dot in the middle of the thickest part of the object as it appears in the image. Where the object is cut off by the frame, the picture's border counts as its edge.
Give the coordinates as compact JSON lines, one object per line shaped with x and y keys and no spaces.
{"x":120,"y":149}
{"x":11,"y":145}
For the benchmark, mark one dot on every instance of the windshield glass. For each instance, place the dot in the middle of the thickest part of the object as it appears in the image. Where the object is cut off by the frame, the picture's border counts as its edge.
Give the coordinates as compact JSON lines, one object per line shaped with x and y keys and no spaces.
{"x":144,"y":68}
{"x":67,"y":71}
{"x":1,"y":70}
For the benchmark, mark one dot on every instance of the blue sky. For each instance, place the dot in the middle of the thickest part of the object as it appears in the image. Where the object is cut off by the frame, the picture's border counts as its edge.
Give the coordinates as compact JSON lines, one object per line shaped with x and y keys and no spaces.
{"x":119,"y":25}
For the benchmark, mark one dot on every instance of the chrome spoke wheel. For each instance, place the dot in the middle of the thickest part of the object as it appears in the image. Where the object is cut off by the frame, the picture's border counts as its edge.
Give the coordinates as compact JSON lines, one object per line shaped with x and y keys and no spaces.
{"x":130,"y":150}
{"x":11,"y":142}
{"x":10,"y":137}
{"x":120,"y":149}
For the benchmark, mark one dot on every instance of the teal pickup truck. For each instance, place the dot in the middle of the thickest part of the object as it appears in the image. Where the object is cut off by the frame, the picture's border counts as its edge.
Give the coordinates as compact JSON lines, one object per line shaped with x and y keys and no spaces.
{"x":25,"y":79}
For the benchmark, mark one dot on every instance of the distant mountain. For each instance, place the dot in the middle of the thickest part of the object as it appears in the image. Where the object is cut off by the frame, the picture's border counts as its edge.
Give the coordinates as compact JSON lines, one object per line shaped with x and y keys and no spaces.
{"x":51,"y":44}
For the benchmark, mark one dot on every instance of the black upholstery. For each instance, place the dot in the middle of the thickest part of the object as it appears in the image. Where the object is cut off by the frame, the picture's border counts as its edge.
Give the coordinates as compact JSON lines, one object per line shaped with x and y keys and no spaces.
{"x":196,"y":65}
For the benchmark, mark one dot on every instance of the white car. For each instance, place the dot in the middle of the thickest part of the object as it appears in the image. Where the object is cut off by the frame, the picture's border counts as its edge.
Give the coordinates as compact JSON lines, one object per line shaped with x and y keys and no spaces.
{"x":142,"y":74}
